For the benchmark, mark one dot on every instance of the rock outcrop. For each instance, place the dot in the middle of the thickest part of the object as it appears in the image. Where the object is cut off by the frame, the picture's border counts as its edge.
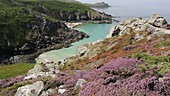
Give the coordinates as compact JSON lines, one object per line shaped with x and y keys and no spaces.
{"x":156,"y":24}
{"x":90,"y":16}
{"x":30,"y":90}
{"x":48,"y":69}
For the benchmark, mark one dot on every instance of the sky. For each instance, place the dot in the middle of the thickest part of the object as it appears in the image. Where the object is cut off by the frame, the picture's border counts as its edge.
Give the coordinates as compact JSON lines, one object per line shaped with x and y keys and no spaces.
{"x":92,"y":1}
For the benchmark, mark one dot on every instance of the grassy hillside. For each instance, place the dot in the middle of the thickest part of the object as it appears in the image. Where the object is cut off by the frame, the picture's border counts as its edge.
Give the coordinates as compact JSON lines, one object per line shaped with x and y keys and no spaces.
{"x":9,"y":71}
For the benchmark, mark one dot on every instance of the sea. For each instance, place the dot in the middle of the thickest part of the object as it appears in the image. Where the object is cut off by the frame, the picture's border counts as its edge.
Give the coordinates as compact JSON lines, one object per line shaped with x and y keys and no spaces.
{"x":123,"y":10}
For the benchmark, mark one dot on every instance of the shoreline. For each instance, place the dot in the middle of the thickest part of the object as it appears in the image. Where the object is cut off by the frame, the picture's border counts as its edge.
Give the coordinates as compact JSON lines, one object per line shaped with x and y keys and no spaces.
{"x":31,"y":58}
{"x":73,"y":25}
{"x":78,"y":23}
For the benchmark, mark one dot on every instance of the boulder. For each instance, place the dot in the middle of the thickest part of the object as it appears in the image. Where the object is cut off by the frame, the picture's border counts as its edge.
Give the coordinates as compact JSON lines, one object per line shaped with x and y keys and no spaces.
{"x":157,"y":21}
{"x":61,"y":90}
{"x":14,"y":59}
{"x":37,"y":68}
{"x":49,"y":92}
{"x":82,"y":50}
{"x":48,"y":69}
{"x":138,"y":37}
{"x":80,"y":82}
{"x":31,"y":89}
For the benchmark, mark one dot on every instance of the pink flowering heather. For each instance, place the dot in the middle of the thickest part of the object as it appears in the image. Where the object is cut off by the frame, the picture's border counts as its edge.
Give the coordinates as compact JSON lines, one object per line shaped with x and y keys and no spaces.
{"x":11,"y":81}
{"x":120,"y":77}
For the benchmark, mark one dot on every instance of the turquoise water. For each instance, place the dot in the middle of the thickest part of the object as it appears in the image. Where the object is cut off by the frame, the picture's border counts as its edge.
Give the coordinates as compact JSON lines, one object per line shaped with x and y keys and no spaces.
{"x":124,"y":9}
{"x":95,"y":31}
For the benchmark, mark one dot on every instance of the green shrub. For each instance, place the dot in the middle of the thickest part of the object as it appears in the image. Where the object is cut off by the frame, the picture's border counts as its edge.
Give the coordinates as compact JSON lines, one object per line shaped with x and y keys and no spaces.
{"x":161,"y":63}
{"x":165,"y":43}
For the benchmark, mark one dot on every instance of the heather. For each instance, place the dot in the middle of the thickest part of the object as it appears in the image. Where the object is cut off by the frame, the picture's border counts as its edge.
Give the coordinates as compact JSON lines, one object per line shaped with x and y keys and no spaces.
{"x":120,"y":77}
{"x":132,"y":63}
{"x":8,"y":87}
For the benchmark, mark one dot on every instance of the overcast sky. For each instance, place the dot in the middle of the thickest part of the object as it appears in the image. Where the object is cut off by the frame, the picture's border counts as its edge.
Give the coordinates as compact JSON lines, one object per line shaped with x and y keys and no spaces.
{"x":93,"y":1}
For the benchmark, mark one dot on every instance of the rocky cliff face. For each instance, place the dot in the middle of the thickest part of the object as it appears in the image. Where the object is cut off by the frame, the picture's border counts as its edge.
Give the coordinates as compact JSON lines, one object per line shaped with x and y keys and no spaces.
{"x":83,"y":16}
{"x":44,"y":34}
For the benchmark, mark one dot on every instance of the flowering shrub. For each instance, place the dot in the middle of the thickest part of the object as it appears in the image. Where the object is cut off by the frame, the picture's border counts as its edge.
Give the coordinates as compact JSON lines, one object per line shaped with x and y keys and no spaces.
{"x":10,"y":82}
{"x":119,"y":77}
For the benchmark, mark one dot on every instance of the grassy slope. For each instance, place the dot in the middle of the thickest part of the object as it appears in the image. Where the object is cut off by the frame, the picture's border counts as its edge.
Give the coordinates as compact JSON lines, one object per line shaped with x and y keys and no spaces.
{"x":9,"y":71}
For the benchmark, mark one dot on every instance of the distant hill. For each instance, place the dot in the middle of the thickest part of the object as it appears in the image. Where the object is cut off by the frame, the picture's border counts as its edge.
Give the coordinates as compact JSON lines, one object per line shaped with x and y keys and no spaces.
{"x":99,"y":5}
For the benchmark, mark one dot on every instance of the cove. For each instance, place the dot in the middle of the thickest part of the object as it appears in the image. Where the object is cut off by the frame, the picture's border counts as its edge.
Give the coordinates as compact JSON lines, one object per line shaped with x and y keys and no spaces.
{"x":95,"y":31}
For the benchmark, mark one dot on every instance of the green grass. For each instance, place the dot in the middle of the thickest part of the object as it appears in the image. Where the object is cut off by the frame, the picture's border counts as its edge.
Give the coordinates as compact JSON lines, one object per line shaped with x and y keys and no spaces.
{"x":161,"y":63}
{"x":165,"y":43}
{"x":9,"y":71}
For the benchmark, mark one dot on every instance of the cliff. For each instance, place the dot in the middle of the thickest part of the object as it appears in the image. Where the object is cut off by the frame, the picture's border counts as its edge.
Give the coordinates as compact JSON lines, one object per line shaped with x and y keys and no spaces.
{"x":134,"y":59}
{"x":36,"y":26}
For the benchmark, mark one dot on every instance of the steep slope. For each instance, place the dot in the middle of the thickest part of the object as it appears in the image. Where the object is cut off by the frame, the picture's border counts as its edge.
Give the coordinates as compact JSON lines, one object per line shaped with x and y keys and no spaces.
{"x":28,"y":26}
{"x":134,"y":61}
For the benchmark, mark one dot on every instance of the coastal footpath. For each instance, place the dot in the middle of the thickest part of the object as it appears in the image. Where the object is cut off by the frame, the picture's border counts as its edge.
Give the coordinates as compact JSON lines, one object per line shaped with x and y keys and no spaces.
{"x":133,"y":59}
{"x":29,"y":28}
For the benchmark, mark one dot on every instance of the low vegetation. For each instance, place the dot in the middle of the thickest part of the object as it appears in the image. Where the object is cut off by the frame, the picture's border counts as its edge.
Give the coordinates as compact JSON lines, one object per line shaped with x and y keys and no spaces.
{"x":14,"y":70}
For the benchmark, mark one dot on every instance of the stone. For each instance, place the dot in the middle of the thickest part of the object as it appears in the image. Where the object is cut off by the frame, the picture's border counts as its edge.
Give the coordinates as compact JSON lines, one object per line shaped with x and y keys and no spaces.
{"x":141,"y":28}
{"x":31,"y":89}
{"x":49,"y":92}
{"x":48,"y":69}
{"x":82,"y":50}
{"x":138,"y":37}
{"x":110,"y":80}
{"x":80,"y":82}
{"x":37,"y":68}
{"x":158,"y":21}
{"x":115,"y":30}
{"x":14,"y":59}
{"x":61,"y":90}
